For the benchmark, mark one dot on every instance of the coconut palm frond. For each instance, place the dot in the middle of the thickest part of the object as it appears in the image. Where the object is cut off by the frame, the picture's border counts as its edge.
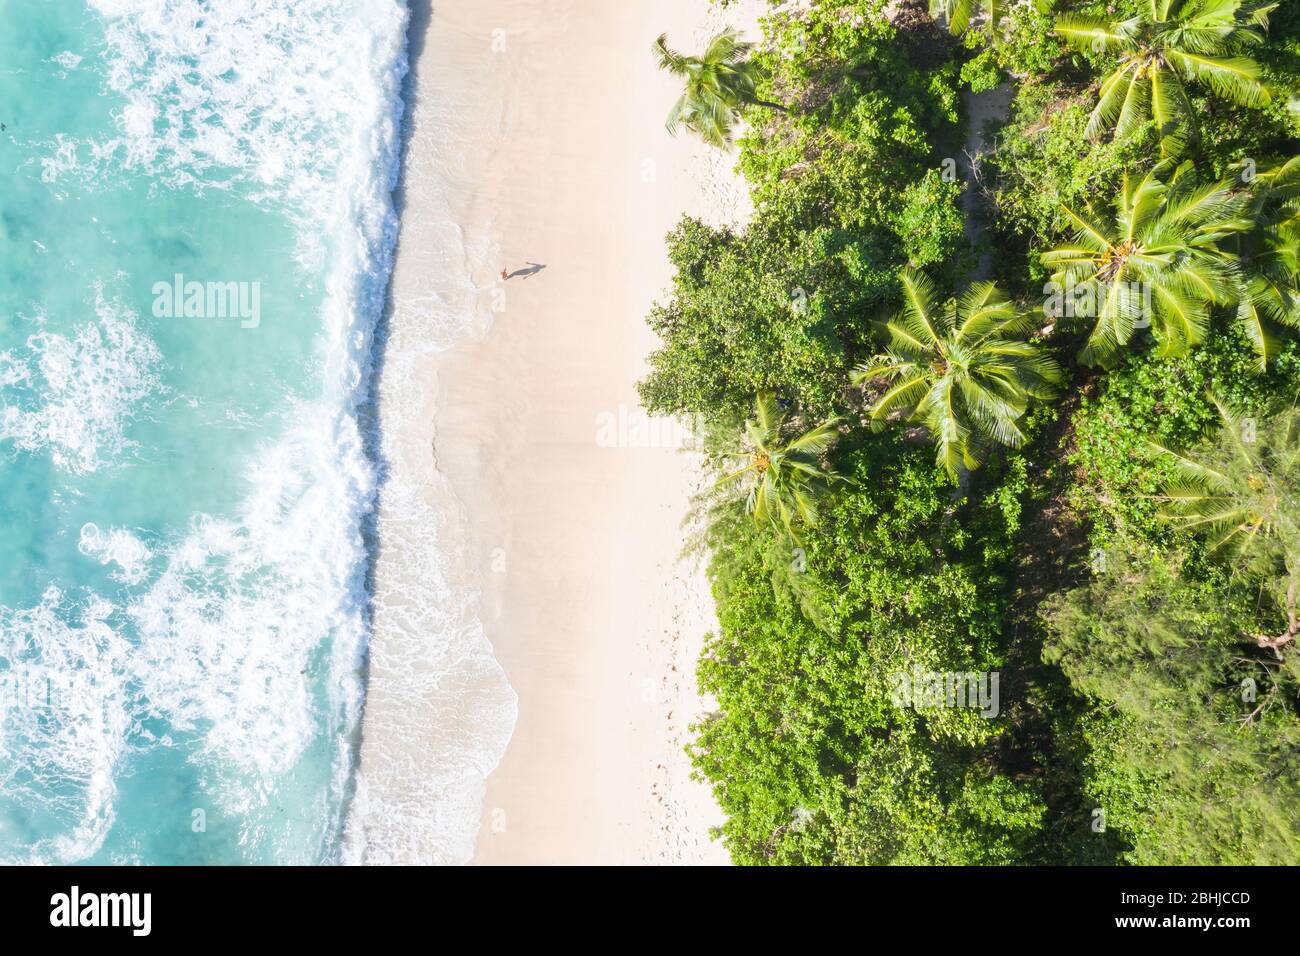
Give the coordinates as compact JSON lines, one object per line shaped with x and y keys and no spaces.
{"x":779,"y":481}
{"x":718,"y":85}
{"x":1166,"y":45}
{"x":959,"y":368}
{"x":1162,"y":260}
{"x":1238,"y":489}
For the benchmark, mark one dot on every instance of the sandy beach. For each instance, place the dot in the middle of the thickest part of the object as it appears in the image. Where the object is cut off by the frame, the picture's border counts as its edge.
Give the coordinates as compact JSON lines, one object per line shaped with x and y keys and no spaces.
{"x":537,"y":145}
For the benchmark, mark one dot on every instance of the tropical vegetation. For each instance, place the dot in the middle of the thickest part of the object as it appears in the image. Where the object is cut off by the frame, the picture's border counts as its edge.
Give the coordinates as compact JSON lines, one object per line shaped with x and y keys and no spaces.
{"x":780,"y":480}
{"x":1240,"y":492}
{"x":959,"y":368}
{"x":1079,"y":474}
{"x":958,"y":13}
{"x":1166,"y":43}
{"x":1157,"y":261}
{"x":718,"y":83}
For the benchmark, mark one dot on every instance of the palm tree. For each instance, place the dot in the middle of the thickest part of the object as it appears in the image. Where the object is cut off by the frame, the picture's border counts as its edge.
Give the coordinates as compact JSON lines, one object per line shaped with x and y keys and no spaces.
{"x":1269,"y":285}
{"x":1158,"y":260}
{"x":718,"y":84}
{"x":959,"y":368}
{"x":1242,"y":489}
{"x":958,"y":13}
{"x":781,"y":480}
{"x":1167,"y":43}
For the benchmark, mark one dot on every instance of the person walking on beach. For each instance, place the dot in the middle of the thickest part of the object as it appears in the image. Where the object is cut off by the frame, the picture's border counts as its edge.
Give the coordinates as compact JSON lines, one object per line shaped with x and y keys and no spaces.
{"x":532,"y":270}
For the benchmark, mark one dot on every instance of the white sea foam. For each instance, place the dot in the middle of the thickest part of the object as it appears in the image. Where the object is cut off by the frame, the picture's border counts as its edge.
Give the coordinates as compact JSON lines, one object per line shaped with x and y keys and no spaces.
{"x":74,"y":396}
{"x":119,"y":547}
{"x":281,"y":96}
{"x":64,"y":718}
{"x":296,"y":101}
{"x":14,"y":370}
{"x":251,"y":614}
{"x":229,"y":631}
{"x":68,"y":60}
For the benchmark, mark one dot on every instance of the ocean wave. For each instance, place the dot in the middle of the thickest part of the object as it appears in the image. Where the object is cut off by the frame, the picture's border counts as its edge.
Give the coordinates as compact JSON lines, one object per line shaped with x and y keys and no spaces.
{"x":74,"y":396}
{"x":119,"y":547}
{"x":282,"y":98}
{"x":248,"y":629}
{"x":64,"y":719}
{"x":296,"y":103}
{"x":230,"y":632}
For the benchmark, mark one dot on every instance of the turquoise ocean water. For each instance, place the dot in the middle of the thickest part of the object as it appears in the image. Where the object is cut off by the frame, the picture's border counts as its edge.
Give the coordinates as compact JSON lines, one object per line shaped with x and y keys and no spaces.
{"x":182,"y":604}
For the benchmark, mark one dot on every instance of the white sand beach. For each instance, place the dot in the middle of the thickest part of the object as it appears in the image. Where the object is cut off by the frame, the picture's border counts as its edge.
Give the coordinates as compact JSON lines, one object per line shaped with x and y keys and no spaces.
{"x":537,"y":146}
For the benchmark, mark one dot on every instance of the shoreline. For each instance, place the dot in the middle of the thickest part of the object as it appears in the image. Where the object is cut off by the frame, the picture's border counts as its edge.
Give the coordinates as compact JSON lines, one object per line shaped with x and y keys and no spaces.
{"x":568,"y":552}
{"x":438,"y":710}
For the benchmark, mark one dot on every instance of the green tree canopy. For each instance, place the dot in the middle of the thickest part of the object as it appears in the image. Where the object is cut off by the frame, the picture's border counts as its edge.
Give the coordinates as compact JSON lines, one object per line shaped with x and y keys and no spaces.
{"x":1158,"y":259}
{"x":1167,"y":43}
{"x":961,"y":368}
{"x":718,"y":83}
{"x":1194,"y":752}
{"x":780,"y":477}
{"x":1241,"y":491}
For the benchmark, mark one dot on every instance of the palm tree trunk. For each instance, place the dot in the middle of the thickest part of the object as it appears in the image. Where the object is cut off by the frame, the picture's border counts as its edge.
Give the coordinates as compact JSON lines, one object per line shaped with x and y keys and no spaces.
{"x":963,"y":484}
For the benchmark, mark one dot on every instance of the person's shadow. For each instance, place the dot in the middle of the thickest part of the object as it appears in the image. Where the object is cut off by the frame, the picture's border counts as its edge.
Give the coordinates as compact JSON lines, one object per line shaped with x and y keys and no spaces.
{"x":532,"y":270}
